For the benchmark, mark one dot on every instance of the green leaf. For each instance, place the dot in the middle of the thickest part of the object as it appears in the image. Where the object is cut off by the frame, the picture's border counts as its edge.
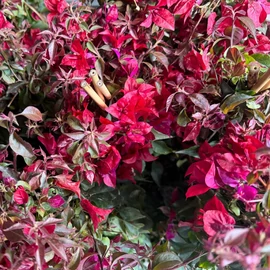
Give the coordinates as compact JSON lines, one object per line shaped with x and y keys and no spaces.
{"x":235,"y":209}
{"x":171,"y":265}
{"x":91,"y":47}
{"x":132,"y":230}
{"x":164,"y":260}
{"x":129,"y":230}
{"x":251,"y":104}
{"x":160,"y":136}
{"x":263,"y":59}
{"x":46,"y":206}
{"x":161,"y":148}
{"x":7,"y":78}
{"x":74,"y":123}
{"x":157,"y":170}
{"x":12,"y":88}
{"x":17,"y":67}
{"x":130,"y":214}
{"x":207,"y":265}
{"x":29,"y":161}
{"x":75,"y":261}
{"x":192,"y":151}
{"x":40,"y":25}
{"x":259,"y":116}
{"x":20,"y":147}
{"x":84,"y":26}
{"x":251,"y":178}
{"x":100,"y":66}
{"x":266,"y":200}
{"x":232,"y":101}
{"x":23,"y":184}
{"x":248,"y":58}
{"x":183,"y":119}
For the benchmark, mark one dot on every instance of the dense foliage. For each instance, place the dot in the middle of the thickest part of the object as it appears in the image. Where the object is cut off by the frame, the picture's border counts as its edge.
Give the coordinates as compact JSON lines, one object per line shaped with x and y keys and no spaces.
{"x":170,"y":170}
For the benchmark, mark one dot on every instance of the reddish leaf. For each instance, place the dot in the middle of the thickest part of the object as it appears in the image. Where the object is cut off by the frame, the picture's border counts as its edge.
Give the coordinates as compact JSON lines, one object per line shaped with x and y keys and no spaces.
{"x":238,"y":35}
{"x":163,"y":18}
{"x":49,"y":142}
{"x":210,"y":180}
{"x":200,"y":101}
{"x":111,"y":161}
{"x":4,"y":23}
{"x":56,"y":6}
{"x":169,"y":101}
{"x":198,"y":171}
{"x":20,"y":196}
{"x":161,"y":3}
{"x":192,"y":131}
{"x":148,"y":21}
{"x":57,"y":163}
{"x":97,"y":214}
{"x":58,"y":248}
{"x":112,"y":14}
{"x":217,"y":222}
{"x":56,"y":201}
{"x":78,"y":59}
{"x":13,"y":235}
{"x":215,"y":204}
{"x":211,"y":22}
{"x":256,"y":13}
{"x":196,"y":190}
{"x":171,"y":2}
{"x":64,"y":181}
{"x":250,"y":25}
{"x":109,"y":179}
{"x":184,"y":7}
{"x":196,"y":62}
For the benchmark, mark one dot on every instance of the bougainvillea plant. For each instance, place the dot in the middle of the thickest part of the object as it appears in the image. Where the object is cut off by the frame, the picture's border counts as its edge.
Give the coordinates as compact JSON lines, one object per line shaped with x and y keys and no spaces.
{"x":161,"y":160}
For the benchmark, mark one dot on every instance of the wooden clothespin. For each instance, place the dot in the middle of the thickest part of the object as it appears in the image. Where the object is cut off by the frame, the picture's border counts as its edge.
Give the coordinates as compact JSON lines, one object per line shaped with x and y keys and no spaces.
{"x":100,"y":91}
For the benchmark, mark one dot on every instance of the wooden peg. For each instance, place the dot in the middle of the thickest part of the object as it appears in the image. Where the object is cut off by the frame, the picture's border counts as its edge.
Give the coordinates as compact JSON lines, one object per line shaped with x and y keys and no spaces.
{"x":99,"y":85}
{"x":253,"y":74}
{"x":94,"y":76}
{"x":103,"y":88}
{"x":262,"y":82}
{"x":91,"y":92}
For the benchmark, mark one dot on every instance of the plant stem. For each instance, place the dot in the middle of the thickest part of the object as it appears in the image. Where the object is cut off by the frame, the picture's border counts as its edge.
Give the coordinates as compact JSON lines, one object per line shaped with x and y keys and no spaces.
{"x":15,"y":162}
